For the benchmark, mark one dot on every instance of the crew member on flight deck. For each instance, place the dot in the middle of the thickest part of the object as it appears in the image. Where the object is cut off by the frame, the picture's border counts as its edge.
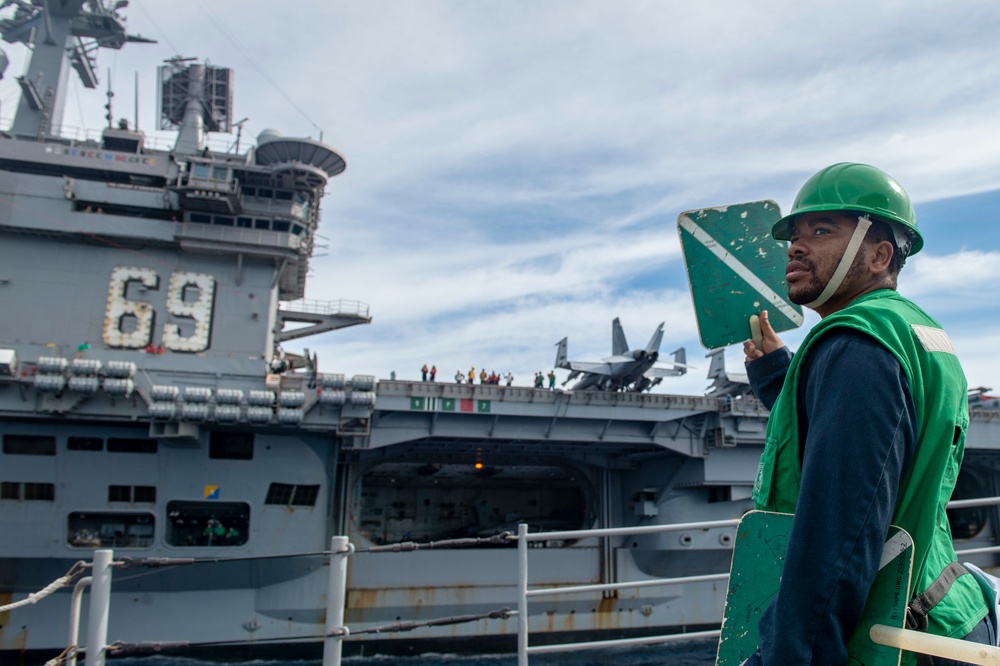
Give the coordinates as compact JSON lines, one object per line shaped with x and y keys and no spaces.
{"x":867,"y":427}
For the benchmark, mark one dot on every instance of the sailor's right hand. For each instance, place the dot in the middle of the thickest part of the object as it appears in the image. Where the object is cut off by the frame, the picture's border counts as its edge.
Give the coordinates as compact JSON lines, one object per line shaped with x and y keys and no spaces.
{"x":767,"y":343}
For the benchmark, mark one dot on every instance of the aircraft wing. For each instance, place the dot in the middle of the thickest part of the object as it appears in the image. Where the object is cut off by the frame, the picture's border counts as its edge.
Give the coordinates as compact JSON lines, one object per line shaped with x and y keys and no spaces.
{"x":665,"y":372}
{"x":675,"y":364}
{"x":593,"y":368}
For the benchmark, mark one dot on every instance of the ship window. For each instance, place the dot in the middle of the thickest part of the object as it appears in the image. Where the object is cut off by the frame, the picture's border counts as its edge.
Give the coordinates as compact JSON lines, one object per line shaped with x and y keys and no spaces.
{"x":200,"y":170}
{"x":231,"y":445}
{"x":297,"y":229}
{"x":132,"y":494}
{"x":283,"y":195}
{"x":85,"y":444}
{"x":250,"y":191}
{"x":220,"y":173}
{"x":29,"y":445}
{"x":244,"y":222}
{"x":281,"y":225}
{"x":200,"y":217}
{"x":12,"y":490}
{"x":265,"y":193}
{"x":286,"y":494}
{"x":119,"y":493}
{"x":144,"y":494}
{"x":279,"y":493}
{"x":223,"y":221}
{"x":87,"y":529}
{"x":202,"y":524}
{"x":45,"y":492}
{"x":305,"y":495}
{"x":131,"y":445}
{"x":262,"y":224}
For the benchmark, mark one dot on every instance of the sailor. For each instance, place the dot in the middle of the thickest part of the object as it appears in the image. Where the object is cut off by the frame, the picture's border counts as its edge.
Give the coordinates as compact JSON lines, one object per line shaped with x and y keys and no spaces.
{"x":214,"y":530}
{"x":867,"y":426}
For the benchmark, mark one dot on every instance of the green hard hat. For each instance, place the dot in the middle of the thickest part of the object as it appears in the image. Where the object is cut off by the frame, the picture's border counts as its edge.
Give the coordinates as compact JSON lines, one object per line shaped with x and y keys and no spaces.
{"x":861,"y":188}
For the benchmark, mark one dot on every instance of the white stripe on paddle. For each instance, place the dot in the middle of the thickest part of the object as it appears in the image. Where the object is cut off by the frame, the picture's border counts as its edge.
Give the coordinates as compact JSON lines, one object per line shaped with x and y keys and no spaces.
{"x":741,"y":270}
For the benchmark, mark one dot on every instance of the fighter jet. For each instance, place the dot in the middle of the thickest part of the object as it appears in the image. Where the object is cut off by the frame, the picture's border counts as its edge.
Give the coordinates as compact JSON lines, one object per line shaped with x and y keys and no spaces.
{"x":627,"y":369}
{"x":725,"y":383}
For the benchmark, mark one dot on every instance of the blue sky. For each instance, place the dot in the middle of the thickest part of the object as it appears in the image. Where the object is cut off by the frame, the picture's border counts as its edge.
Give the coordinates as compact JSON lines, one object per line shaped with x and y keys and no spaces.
{"x":516,"y":168}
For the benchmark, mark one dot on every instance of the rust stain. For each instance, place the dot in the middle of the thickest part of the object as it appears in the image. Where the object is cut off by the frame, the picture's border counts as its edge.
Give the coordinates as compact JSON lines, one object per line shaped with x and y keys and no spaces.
{"x":607,"y":617}
{"x":17,"y":641}
{"x":362,"y":599}
{"x":570,"y":623}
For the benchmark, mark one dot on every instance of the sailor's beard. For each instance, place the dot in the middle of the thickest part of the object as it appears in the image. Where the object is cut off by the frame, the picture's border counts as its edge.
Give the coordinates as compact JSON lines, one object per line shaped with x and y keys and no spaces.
{"x":803,"y":294}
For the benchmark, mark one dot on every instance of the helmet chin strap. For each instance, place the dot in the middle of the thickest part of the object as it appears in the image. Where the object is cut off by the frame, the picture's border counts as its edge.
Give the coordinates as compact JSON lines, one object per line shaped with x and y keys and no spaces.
{"x":850,"y":252}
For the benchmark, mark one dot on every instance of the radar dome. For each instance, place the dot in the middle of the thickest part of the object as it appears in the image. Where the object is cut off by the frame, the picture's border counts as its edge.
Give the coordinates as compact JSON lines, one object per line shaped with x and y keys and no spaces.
{"x":268,"y":135}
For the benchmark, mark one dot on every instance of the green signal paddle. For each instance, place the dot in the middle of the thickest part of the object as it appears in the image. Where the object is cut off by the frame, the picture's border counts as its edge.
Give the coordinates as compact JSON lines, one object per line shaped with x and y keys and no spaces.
{"x":735,"y":269}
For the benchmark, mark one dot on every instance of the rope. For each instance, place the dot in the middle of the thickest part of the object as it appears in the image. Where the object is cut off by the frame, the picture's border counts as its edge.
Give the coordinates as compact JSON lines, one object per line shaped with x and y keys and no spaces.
{"x":409,"y":546}
{"x":501,"y":614}
{"x":120,"y":648}
{"x":68,"y":653}
{"x":58,"y":583}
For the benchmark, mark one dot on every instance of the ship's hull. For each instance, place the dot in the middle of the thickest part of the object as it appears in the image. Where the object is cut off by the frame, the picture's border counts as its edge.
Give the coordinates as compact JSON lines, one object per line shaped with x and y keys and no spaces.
{"x":415,"y":480}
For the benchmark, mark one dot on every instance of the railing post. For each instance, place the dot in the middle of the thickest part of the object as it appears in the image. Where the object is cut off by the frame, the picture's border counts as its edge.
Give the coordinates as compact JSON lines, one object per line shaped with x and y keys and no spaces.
{"x":100,"y":600}
{"x":522,"y":594}
{"x":76,"y":600}
{"x":336,"y":594}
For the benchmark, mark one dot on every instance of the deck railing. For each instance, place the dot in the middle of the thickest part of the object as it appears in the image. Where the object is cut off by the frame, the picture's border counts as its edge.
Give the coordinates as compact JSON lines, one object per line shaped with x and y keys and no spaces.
{"x":336,"y":631}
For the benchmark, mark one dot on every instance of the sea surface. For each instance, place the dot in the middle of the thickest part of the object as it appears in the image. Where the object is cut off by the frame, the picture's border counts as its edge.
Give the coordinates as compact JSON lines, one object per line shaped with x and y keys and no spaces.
{"x":690,"y":653}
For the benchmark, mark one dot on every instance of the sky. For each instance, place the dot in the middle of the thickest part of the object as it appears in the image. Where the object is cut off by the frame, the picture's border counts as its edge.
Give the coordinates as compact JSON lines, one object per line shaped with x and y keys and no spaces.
{"x":515,"y":168}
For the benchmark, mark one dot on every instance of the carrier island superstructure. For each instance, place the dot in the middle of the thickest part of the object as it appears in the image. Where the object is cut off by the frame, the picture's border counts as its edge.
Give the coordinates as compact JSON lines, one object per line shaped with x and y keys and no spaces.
{"x":145,"y":407}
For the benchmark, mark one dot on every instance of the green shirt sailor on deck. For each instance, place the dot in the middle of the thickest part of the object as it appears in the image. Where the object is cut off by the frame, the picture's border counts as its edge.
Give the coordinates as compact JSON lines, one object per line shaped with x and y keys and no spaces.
{"x":925,"y":353}
{"x":867,"y":427}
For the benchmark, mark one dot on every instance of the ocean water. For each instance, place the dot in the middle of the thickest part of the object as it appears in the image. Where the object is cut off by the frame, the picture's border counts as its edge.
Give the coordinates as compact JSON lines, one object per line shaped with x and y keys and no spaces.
{"x":688,"y":653}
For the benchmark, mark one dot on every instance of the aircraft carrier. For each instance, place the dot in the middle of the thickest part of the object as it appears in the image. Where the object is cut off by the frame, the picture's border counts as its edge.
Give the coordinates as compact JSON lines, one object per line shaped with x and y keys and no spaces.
{"x":146,"y":408}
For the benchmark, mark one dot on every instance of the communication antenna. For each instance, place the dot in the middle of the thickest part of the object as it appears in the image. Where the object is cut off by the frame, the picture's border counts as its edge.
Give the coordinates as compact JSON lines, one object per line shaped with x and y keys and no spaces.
{"x":109,"y":95}
{"x":239,"y":132}
{"x":136,"y":93}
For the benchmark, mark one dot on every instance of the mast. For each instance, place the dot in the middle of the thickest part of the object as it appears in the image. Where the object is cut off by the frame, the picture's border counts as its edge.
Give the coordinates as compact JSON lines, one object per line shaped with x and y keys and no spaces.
{"x":60,"y":35}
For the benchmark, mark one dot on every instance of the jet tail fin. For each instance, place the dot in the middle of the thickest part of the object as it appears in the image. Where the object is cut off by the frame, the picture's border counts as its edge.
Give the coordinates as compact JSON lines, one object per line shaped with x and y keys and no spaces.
{"x":654,"y":342}
{"x":680,"y":358}
{"x":717,"y":368}
{"x":618,"y":343}
{"x":562,"y":355}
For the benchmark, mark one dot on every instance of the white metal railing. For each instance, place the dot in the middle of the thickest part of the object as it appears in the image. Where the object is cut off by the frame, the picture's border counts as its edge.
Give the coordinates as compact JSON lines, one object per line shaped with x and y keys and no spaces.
{"x":913,"y":641}
{"x":335,"y":630}
{"x":338,"y":307}
{"x":523,"y":538}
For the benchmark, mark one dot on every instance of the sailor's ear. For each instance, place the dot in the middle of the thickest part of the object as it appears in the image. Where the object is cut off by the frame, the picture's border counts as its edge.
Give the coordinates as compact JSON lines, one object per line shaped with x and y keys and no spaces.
{"x":881,"y":256}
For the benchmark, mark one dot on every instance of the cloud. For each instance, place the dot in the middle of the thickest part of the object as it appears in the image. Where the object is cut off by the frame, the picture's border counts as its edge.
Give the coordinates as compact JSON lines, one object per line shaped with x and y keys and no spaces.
{"x":515,"y":169}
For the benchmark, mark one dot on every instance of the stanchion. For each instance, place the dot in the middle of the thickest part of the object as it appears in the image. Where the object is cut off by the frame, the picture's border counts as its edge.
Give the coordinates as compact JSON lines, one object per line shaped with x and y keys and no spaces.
{"x":336,"y":595}
{"x":100,"y":600}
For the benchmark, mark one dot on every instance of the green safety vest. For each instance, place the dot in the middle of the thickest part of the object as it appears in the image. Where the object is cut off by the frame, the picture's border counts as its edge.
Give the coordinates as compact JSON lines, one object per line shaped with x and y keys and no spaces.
{"x":926,"y":356}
